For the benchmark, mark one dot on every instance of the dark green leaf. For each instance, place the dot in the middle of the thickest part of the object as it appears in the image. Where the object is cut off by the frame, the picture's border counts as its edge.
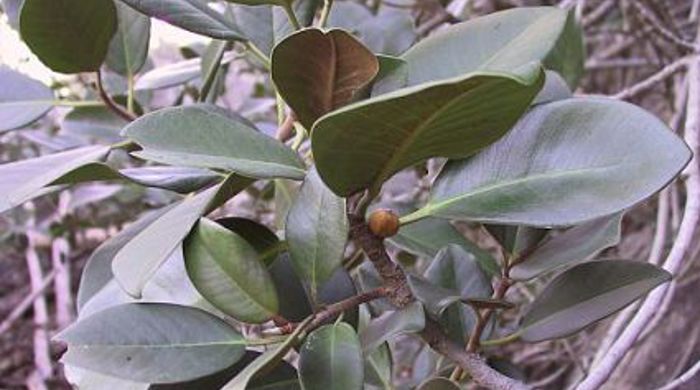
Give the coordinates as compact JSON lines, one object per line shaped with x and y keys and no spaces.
{"x":438,"y":383}
{"x":227,"y":271}
{"x":562,"y":165}
{"x":192,"y":15}
{"x":316,"y":232}
{"x":129,"y":48}
{"x":331,"y":358}
{"x":23,"y":180}
{"x":409,"y":319}
{"x":154,"y":342}
{"x":69,"y":36}
{"x":317,"y":72}
{"x":501,"y":41}
{"x":588,"y":293}
{"x":576,"y":244}
{"x":22,"y":100}
{"x":179,"y":179}
{"x":392,"y":75}
{"x":139,"y":259}
{"x":210,"y":137}
{"x":263,"y":240}
{"x":355,"y":149}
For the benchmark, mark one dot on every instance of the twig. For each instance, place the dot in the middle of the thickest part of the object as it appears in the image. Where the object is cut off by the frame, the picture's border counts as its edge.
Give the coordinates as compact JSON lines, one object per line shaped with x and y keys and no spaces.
{"x":660,"y":28}
{"x":110,"y":103}
{"x":663,"y":74}
{"x":684,"y":378}
{"x":60,"y":264}
{"x":26,"y":303}
{"x":674,"y":261}
{"x":42,"y":356}
{"x":332,"y":311}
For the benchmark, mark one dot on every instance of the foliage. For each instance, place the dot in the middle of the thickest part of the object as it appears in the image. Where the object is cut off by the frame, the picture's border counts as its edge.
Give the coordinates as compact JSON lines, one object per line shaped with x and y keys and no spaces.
{"x":547,"y":173}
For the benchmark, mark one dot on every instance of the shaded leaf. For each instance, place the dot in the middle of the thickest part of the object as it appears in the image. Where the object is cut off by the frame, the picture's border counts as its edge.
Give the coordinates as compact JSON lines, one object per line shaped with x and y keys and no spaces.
{"x":316,"y":232}
{"x":392,"y":75}
{"x":192,"y":15}
{"x":152,"y":342}
{"x":501,"y":41}
{"x":179,"y":179}
{"x":23,"y":100}
{"x":23,"y":180}
{"x":561,"y":165}
{"x":129,"y":47}
{"x":409,"y":319}
{"x":356,"y":147}
{"x":263,"y":240}
{"x":576,"y":244}
{"x":438,"y":383}
{"x":588,"y":293}
{"x":317,"y":72}
{"x":222,"y":140}
{"x":226,"y":270}
{"x":94,"y":123}
{"x":69,"y":36}
{"x":331,"y":358}
{"x":139,"y":259}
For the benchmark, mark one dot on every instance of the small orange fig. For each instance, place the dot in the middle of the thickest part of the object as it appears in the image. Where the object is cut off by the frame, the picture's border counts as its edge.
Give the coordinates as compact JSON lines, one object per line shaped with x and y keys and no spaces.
{"x":384,"y":223}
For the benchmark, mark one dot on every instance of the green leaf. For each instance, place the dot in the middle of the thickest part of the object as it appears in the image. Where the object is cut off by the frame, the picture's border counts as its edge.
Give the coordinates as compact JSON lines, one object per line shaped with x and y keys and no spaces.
{"x":428,"y":236}
{"x":516,"y":239}
{"x":317,"y":230}
{"x":409,"y":319}
{"x":438,"y":383}
{"x":574,"y":245}
{"x":191,"y":15}
{"x":226,"y":270}
{"x":280,"y":3}
{"x":179,"y":179}
{"x":378,"y":368}
{"x":69,"y":36}
{"x":392,"y":75}
{"x":331,"y":358}
{"x":152,"y":342}
{"x":561,"y":165}
{"x":455,"y":269}
{"x":283,"y":376}
{"x":286,"y":192}
{"x":23,"y":100}
{"x":355,"y":148}
{"x":86,"y":379}
{"x":170,"y":75}
{"x":317,"y":72}
{"x":435,"y":298}
{"x":23,"y":180}
{"x":268,"y":360}
{"x":129,"y":48}
{"x":97,"y":124}
{"x":139,"y":259}
{"x":501,"y":41}
{"x":588,"y":293}
{"x":207,"y":136}
{"x":263,"y":240}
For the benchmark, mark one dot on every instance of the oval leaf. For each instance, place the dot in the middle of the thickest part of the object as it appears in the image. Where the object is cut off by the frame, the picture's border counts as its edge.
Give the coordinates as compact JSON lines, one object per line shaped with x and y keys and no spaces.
{"x":129,"y":48}
{"x":317,"y":230}
{"x":317,"y":72}
{"x":210,"y":137}
{"x":23,"y":100}
{"x":562,"y":165}
{"x":409,"y":319}
{"x":191,"y":15}
{"x":588,"y":293}
{"x":362,"y":145}
{"x":226,"y":270}
{"x":152,"y":342}
{"x":69,"y":36}
{"x":501,"y":41}
{"x":331,"y":358}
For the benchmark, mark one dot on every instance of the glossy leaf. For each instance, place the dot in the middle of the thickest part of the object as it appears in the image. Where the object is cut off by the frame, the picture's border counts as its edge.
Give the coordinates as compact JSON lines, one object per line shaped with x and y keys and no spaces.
{"x":139,"y":259}
{"x":562,"y":165}
{"x":455,"y":269}
{"x":129,"y":47}
{"x":207,"y":136}
{"x":268,"y":360}
{"x":362,"y":145}
{"x":501,"y":41}
{"x":317,"y":230}
{"x":23,"y":100}
{"x":23,"y":180}
{"x":226,"y":270}
{"x":438,"y":383}
{"x":574,"y":245}
{"x":409,"y":319}
{"x":588,"y":293}
{"x":69,"y":36}
{"x":317,"y":72}
{"x":191,"y":15}
{"x":283,"y":377}
{"x":332,"y":358}
{"x":94,"y":123}
{"x":156,"y":343}
{"x":263,"y":240}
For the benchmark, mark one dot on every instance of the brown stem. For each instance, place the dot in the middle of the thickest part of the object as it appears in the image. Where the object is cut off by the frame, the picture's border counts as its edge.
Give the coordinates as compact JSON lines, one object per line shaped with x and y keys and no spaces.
{"x":110,"y":103}
{"x":484,"y":316}
{"x":286,"y":130}
{"x":332,"y":311}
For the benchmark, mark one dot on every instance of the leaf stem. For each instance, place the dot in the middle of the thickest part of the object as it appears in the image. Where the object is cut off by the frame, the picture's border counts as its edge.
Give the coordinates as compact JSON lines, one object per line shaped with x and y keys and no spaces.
{"x":257,"y":53}
{"x":290,"y":15}
{"x":130,"y":93}
{"x":77,"y":103}
{"x":501,"y":341}
{"x":110,"y":103}
{"x":325,"y":13}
